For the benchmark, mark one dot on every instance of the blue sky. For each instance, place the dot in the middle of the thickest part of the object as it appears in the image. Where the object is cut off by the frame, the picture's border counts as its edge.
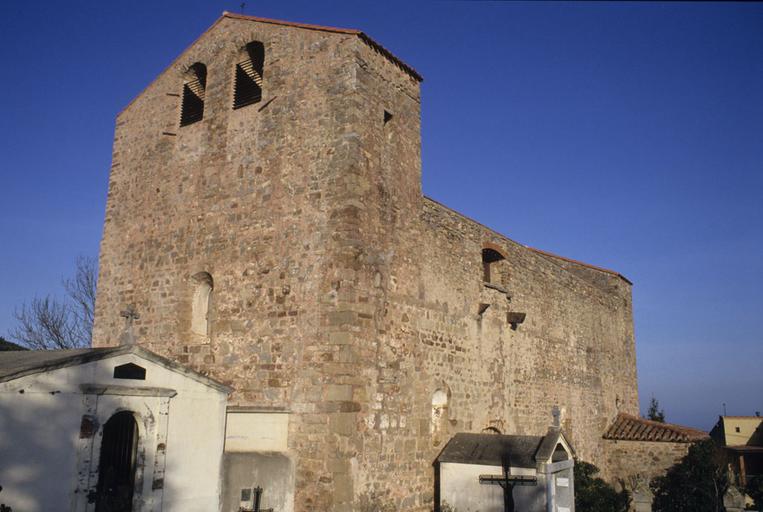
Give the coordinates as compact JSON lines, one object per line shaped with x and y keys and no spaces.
{"x":626,"y":135}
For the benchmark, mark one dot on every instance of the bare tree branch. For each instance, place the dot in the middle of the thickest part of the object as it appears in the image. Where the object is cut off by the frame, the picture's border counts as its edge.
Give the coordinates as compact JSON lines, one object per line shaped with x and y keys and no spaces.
{"x":81,"y":292}
{"x":49,"y":323}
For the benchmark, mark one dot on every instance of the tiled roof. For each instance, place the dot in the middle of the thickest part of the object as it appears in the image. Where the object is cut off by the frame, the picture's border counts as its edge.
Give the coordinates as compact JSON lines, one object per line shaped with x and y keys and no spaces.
{"x":627,"y":427}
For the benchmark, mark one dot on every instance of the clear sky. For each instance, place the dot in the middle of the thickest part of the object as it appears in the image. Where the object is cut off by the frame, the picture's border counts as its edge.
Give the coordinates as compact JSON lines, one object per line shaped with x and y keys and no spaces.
{"x":626,"y":135}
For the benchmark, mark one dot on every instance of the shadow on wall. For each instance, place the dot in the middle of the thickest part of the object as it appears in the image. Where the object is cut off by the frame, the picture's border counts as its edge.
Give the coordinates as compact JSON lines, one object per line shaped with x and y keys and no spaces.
{"x":38,"y":447}
{"x":271,"y":471}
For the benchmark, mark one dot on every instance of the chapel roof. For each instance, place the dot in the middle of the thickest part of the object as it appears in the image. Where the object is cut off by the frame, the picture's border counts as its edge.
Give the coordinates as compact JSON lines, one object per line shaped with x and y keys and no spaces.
{"x":492,"y":449}
{"x":17,"y":364}
{"x":627,"y":427}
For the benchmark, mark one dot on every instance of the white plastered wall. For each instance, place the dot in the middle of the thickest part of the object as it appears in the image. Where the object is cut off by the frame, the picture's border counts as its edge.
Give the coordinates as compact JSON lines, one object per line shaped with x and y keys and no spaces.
{"x":461,"y":490}
{"x":45,"y":464}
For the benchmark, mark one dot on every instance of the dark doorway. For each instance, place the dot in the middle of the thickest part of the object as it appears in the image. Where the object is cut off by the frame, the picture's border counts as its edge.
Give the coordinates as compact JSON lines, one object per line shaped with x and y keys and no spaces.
{"x":116,"y":471}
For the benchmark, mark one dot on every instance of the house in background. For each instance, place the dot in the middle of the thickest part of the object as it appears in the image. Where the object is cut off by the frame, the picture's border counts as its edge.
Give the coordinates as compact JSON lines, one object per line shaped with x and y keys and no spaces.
{"x":742,"y":439}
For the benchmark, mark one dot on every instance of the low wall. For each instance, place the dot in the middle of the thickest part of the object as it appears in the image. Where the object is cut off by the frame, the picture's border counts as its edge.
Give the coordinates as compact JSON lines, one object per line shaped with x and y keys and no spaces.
{"x":636,"y":462}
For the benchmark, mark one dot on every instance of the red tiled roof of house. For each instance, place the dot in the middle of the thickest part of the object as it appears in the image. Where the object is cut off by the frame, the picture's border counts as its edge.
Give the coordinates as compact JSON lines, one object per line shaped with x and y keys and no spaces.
{"x":627,"y":427}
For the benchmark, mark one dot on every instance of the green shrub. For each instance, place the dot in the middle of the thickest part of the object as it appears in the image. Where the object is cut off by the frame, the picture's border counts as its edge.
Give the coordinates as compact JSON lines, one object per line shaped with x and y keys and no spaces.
{"x":696,"y":483}
{"x":592,"y":494}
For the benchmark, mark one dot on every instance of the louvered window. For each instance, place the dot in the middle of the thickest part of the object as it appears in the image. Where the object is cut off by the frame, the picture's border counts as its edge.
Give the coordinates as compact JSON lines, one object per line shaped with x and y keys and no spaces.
{"x":248,"y":84}
{"x":192,"y":107}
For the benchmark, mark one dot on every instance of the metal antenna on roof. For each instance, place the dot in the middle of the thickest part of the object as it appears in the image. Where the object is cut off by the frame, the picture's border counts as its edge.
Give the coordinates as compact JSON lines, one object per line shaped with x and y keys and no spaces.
{"x":724,"y":408}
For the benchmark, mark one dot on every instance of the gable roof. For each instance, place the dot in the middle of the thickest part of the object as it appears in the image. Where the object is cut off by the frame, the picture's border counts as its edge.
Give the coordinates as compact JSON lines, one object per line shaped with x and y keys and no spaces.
{"x":552,"y":439}
{"x":491,"y":449}
{"x":17,"y":364}
{"x":627,"y":427}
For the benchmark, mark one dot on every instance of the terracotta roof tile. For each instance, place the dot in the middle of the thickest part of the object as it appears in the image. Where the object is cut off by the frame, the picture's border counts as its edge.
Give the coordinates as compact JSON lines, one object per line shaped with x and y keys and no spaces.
{"x":627,"y":427}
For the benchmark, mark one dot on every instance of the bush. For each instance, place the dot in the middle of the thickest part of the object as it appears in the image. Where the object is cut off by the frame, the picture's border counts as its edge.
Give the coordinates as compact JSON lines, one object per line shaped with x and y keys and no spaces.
{"x":697,"y":483}
{"x":592,"y":494}
{"x":754,"y":490}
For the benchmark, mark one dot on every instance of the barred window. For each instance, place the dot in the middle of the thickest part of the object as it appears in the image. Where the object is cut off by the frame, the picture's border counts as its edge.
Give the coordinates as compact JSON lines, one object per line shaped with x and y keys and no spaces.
{"x":194,"y":87}
{"x":247,"y":88}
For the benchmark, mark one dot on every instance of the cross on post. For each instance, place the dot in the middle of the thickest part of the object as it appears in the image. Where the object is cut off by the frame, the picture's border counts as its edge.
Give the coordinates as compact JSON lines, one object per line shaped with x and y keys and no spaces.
{"x":507,"y":481}
{"x":130,"y":315}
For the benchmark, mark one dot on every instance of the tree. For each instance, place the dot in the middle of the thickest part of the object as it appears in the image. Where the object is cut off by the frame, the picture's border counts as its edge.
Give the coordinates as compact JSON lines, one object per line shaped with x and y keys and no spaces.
{"x":50,"y":323}
{"x":592,"y":494}
{"x":754,"y":490}
{"x":696,"y":483}
{"x":654,"y":412}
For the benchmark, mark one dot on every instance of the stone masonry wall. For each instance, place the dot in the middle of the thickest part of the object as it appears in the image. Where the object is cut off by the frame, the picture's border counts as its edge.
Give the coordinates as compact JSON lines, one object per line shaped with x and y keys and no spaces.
{"x":633,"y":464}
{"x":341,"y":294}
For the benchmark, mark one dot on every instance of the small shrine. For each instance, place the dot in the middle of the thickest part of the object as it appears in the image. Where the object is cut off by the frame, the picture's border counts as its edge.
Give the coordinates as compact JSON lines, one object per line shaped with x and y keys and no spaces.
{"x":506,"y":473}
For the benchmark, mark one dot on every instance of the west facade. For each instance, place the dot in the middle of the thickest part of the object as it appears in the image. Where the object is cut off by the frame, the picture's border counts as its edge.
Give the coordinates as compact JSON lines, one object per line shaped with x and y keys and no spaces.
{"x":284,"y":247}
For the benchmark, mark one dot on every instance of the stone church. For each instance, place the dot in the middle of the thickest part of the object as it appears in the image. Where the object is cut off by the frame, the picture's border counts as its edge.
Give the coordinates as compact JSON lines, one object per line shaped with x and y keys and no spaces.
{"x":266,"y":227}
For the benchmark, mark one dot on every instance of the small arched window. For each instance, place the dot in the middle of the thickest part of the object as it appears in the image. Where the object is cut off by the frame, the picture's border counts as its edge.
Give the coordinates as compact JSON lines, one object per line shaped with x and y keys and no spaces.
{"x":202,"y":298}
{"x":247,"y":87}
{"x":194,"y":90}
{"x":490,"y":269}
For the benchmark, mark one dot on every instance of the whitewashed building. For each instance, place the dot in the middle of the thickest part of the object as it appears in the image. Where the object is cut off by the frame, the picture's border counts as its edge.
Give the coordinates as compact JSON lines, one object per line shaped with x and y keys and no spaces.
{"x":95,"y":429}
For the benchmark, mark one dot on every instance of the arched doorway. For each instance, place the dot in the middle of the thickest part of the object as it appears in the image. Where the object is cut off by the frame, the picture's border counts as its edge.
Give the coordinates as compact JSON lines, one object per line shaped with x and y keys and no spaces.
{"x":116,"y":470}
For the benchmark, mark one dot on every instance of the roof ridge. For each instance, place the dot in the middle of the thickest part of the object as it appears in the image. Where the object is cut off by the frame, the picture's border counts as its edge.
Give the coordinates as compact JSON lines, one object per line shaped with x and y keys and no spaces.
{"x":352,"y":31}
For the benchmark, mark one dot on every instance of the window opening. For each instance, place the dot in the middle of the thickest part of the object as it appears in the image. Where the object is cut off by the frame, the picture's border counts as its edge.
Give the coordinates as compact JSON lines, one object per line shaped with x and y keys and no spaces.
{"x":489,"y":270}
{"x":387,"y":117}
{"x":129,"y":371}
{"x":248,"y":80}
{"x":194,"y":90}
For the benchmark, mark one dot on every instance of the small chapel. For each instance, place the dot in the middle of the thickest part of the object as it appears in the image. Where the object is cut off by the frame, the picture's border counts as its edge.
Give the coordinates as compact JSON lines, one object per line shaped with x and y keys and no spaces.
{"x":285,"y":322}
